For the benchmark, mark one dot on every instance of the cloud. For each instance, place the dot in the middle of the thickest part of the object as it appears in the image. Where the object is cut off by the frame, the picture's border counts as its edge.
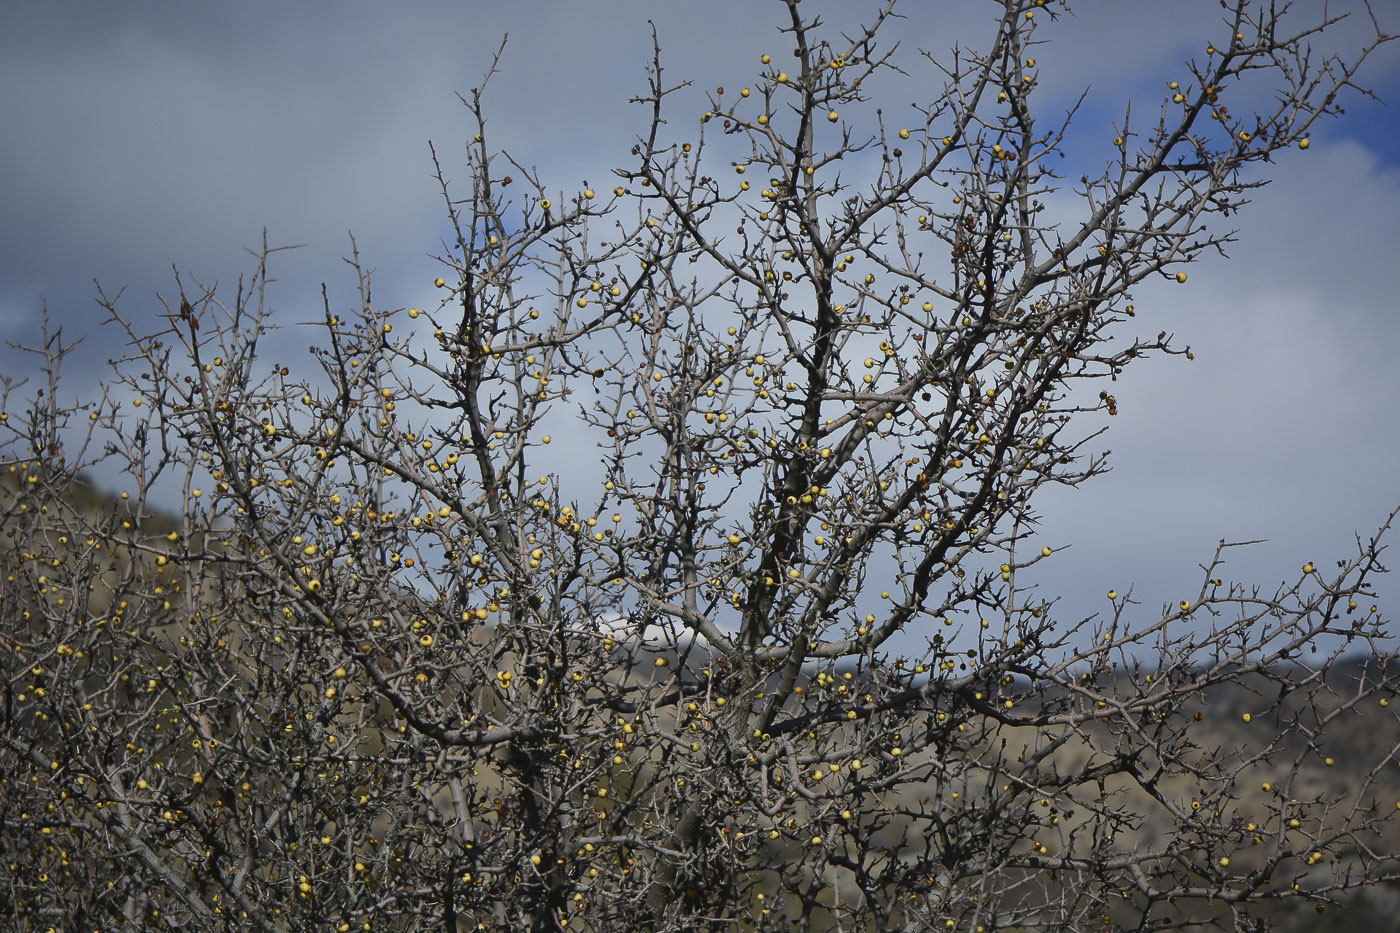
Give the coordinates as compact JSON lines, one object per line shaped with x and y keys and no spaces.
{"x":1282,"y":427}
{"x":144,"y":134}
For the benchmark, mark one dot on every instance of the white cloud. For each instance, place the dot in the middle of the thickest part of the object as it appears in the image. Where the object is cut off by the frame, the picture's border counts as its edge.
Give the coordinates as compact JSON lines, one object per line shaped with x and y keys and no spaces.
{"x":138,"y":139}
{"x":1283,"y":427}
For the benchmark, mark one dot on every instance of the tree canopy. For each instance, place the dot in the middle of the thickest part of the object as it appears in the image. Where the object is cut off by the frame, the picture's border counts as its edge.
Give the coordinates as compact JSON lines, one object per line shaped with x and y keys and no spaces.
{"x":385,"y":666}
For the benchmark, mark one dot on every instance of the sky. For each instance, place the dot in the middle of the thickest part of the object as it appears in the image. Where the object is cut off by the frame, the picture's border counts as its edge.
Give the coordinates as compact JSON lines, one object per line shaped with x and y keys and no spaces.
{"x":142,"y":137}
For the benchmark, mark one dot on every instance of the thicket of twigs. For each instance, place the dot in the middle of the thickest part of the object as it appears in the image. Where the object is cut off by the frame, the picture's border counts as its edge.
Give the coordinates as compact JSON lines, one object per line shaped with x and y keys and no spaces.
{"x":389,"y":666}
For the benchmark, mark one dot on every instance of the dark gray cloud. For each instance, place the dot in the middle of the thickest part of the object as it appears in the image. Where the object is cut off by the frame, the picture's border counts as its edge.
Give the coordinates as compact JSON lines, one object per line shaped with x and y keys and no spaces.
{"x":135,"y":136}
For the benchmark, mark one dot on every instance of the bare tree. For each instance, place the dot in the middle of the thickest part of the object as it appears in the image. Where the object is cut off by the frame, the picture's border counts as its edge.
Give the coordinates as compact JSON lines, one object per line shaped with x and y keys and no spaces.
{"x":776,"y":671}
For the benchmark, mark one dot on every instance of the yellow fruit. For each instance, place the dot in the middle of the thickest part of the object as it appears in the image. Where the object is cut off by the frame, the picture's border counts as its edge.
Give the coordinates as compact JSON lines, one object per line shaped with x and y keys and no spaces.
{"x":832,"y":117}
{"x":439,"y":282}
{"x":903,"y":134}
{"x":1181,"y":277}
